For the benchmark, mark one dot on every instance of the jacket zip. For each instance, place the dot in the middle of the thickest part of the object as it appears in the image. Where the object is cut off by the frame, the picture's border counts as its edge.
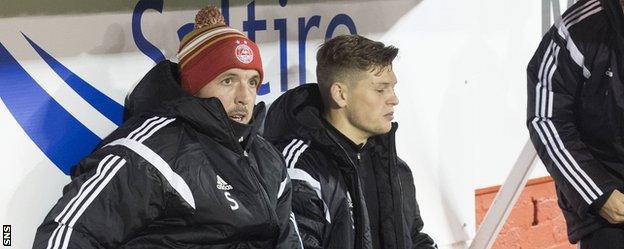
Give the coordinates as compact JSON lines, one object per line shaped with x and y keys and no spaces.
{"x":265,"y":196}
{"x":357,"y":189}
{"x":242,"y":152}
{"x":393,"y":168}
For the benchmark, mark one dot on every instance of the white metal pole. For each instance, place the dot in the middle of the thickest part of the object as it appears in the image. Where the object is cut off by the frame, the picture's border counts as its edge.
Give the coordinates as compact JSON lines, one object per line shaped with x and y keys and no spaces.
{"x":505,"y":199}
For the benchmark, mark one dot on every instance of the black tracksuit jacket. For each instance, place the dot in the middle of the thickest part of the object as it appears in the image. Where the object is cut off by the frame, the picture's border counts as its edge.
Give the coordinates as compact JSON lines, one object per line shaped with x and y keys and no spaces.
{"x":327,"y":190}
{"x":576,"y":109}
{"x":175,"y":178}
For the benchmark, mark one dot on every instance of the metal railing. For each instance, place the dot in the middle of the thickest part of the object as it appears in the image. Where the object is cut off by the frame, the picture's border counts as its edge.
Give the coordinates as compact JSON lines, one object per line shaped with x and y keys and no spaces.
{"x":505,"y":199}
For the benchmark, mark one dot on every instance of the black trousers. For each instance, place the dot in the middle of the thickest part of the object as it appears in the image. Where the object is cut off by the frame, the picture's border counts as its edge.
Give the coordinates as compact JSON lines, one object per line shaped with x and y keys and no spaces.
{"x":611,"y":237}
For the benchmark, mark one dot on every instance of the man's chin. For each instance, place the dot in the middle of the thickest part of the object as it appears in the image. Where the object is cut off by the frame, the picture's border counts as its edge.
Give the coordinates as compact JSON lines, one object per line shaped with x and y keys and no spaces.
{"x":385,"y":129}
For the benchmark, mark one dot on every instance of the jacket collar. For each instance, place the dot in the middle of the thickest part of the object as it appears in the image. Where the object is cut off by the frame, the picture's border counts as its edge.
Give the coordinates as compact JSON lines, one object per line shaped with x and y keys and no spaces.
{"x":298,"y":114}
{"x":159,"y":93}
{"x":208,"y":117}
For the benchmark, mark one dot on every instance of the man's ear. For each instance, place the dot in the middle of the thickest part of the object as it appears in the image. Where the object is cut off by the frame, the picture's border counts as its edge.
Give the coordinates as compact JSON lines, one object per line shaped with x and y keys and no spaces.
{"x":339,"y":94}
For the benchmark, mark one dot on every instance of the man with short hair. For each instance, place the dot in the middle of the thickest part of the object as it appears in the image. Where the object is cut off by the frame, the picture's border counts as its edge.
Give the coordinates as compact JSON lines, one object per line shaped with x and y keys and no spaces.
{"x":350,"y":189}
{"x":575,"y":118}
{"x":187,"y":169}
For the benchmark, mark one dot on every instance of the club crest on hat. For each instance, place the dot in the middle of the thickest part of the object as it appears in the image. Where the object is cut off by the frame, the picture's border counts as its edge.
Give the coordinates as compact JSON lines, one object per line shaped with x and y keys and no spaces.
{"x":244,"y":53}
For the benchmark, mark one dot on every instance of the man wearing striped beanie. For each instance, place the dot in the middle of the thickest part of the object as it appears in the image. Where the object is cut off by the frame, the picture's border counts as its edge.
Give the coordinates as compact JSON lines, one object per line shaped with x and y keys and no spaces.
{"x":219,"y":61}
{"x":188,"y":167}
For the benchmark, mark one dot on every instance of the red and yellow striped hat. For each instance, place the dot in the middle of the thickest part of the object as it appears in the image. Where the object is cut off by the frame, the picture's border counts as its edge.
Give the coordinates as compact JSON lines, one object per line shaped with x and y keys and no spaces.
{"x":213,"y":48}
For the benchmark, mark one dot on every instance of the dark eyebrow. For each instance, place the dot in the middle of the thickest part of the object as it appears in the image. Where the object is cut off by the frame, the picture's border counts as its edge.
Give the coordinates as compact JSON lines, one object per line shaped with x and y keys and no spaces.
{"x":228,"y":75}
{"x":385,"y":84}
{"x":256,"y":78}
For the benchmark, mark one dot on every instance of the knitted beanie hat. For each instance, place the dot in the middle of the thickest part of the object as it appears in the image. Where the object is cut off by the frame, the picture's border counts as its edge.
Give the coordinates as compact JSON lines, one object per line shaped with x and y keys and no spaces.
{"x":213,"y":48}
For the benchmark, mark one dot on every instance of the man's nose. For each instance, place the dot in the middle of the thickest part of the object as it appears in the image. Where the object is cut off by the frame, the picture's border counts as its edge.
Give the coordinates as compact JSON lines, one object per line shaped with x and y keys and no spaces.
{"x":243,"y":95}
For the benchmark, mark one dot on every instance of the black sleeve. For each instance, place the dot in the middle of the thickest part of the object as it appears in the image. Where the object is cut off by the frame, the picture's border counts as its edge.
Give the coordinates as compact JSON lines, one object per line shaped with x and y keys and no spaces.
{"x":308,"y":206}
{"x":100,"y":208}
{"x":420,"y":239}
{"x":554,"y":78}
{"x":289,"y":232}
